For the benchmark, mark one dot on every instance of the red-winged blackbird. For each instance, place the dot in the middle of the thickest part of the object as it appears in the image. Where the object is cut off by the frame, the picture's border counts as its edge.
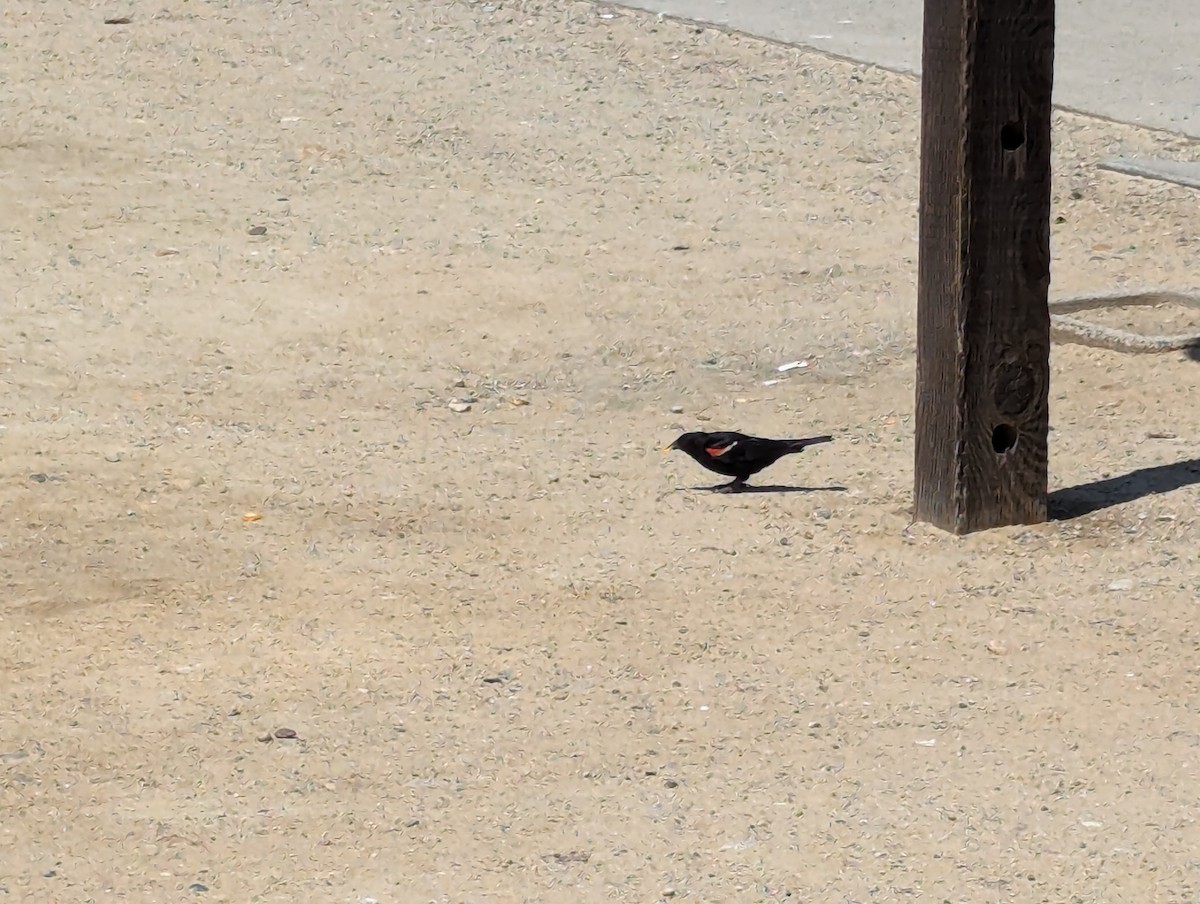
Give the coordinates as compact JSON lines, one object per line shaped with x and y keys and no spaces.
{"x":737,"y":455}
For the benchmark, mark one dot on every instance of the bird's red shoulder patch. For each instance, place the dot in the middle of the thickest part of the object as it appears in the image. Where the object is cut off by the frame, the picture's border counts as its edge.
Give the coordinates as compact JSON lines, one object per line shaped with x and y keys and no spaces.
{"x":718,"y":451}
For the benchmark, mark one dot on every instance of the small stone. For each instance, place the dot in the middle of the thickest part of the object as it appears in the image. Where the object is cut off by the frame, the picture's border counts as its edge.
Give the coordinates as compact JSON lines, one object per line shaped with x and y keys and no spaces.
{"x":38,"y":478}
{"x":258,"y":230}
{"x":671,"y":783}
{"x":460,"y":383}
{"x":996,"y":648}
{"x":412,"y":823}
{"x":676,"y":409}
{"x":286,"y":734}
{"x":669,"y":892}
{"x":113,"y":457}
{"x":552,"y":478}
{"x":1122,"y":584}
{"x":197,"y":887}
{"x":459,"y":406}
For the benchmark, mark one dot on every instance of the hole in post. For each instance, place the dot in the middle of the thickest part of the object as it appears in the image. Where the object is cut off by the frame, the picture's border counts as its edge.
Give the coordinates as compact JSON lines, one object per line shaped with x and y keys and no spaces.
{"x":1012,"y":136}
{"x":1004,"y":437}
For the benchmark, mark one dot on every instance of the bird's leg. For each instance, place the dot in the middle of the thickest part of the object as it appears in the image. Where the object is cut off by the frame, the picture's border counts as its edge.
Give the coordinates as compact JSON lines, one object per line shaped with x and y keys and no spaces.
{"x":734,"y":486}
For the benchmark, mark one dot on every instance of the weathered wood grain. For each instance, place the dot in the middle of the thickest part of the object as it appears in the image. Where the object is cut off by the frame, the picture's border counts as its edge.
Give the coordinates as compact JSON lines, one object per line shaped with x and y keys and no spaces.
{"x":983,"y":344}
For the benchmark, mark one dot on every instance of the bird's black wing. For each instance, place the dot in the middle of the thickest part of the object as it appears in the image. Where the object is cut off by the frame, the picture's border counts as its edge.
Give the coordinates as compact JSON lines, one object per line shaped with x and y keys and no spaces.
{"x":723,"y":443}
{"x":744,"y":454}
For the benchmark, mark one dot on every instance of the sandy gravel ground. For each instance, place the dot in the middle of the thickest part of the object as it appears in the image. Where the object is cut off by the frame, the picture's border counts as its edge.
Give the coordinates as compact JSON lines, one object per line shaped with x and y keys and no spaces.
{"x":252,"y":251}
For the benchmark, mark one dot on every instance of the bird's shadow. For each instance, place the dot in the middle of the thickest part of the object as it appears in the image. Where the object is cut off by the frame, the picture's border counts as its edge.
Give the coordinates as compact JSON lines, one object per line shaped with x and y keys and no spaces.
{"x":771,"y":488}
{"x":1077,"y":501}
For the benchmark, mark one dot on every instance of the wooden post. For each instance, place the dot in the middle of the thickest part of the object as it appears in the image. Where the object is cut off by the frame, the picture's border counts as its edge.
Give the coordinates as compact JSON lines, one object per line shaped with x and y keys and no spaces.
{"x":983,"y":322}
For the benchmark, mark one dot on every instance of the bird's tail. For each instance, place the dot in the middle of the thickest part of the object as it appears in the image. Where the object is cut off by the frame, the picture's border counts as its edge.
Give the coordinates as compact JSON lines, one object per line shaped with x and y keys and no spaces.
{"x":799,"y":445}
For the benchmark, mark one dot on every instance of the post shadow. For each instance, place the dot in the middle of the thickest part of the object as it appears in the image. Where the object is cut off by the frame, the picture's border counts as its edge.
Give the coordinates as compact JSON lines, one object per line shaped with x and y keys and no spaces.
{"x":1077,"y":501}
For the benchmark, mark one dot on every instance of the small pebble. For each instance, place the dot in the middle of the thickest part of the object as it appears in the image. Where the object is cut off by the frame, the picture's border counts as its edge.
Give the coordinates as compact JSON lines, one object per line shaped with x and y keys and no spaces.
{"x":1123,"y":584}
{"x":459,"y":405}
{"x":676,"y":409}
{"x":113,"y":457}
{"x":552,"y":478}
{"x":286,"y":734}
{"x":197,"y":886}
{"x":258,"y":230}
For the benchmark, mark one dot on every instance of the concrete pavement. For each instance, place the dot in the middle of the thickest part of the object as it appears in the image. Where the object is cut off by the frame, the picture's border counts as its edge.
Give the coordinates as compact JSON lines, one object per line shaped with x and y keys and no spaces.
{"x":1136,"y":62}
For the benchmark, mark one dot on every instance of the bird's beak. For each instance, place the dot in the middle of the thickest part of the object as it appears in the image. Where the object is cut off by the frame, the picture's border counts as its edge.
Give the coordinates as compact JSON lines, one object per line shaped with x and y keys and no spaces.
{"x":666,"y":450}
